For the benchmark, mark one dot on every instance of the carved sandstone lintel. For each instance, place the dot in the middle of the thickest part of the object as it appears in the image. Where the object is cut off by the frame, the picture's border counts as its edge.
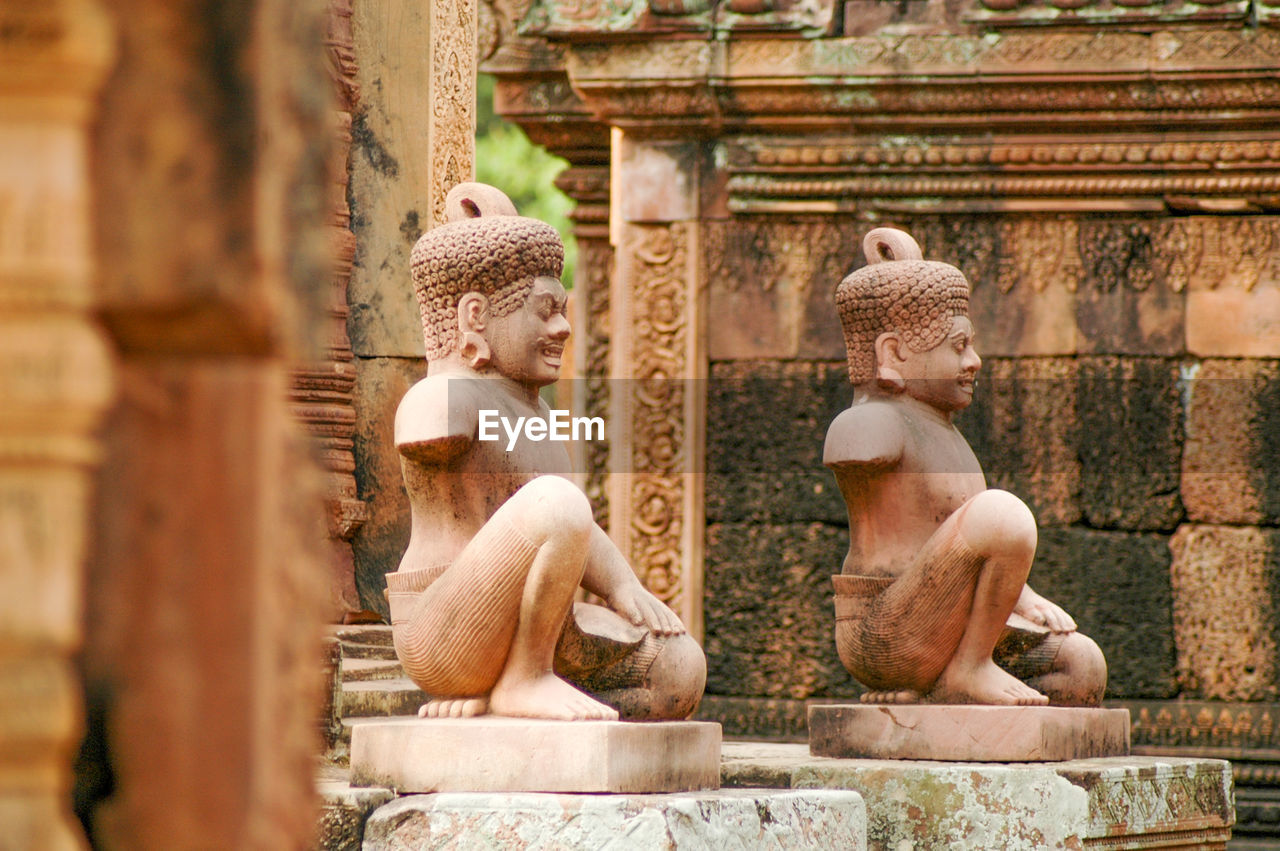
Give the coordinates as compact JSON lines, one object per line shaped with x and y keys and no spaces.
{"x":1215,"y":78}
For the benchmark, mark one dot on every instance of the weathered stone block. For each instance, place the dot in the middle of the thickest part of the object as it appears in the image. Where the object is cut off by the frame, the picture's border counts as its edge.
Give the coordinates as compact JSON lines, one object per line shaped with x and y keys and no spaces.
{"x":821,"y":338}
{"x":494,"y":754}
{"x":1022,"y":426}
{"x":689,"y":822}
{"x":769,"y":614}
{"x":1231,"y":462}
{"x":967,"y":733}
{"x":1124,"y":305}
{"x":766,"y":423}
{"x":661,"y":177}
{"x":1116,"y":585}
{"x":1130,"y":443}
{"x":381,"y":541}
{"x":772,"y":288}
{"x":1119,"y":802}
{"x":1226,"y":611}
{"x":210,"y":189}
{"x":1232,"y":321}
{"x":1023,"y":272}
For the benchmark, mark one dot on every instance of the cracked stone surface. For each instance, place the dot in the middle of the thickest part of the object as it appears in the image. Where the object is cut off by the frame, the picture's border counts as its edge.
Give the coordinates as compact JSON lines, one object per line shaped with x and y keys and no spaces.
{"x":737,"y":819}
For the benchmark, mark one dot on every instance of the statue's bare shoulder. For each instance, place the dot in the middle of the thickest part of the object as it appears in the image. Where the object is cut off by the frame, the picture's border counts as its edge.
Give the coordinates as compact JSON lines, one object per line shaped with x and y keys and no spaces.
{"x":436,"y":419}
{"x":871,"y":433}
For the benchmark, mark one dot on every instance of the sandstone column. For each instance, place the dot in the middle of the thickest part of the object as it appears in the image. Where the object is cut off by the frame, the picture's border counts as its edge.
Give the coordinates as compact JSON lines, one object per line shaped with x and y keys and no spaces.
{"x":56,"y":381}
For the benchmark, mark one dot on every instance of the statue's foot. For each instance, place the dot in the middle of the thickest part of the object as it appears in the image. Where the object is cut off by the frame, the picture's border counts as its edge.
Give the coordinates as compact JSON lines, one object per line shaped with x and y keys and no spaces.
{"x":547,"y":696}
{"x":463,"y":707}
{"x":986,"y":684}
{"x":904,"y":696}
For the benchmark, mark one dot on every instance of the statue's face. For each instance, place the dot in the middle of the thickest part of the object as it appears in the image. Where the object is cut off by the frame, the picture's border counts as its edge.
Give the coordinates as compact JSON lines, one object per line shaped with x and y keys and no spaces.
{"x":527,"y":345}
{"x":943,"y":376}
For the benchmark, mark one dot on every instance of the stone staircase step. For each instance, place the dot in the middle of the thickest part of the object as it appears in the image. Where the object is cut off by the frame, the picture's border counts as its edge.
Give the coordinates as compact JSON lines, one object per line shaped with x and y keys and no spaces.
{"x":363,"y":670}
{"x":364,"y":634}
{"x":398,"y":696}
{"x":371,"y":641}
{"x":367,"y":651}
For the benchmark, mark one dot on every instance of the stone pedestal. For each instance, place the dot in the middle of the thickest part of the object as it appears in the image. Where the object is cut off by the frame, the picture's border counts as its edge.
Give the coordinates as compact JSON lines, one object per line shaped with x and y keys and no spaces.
{"x":746,"y":818}
{"x":967,"y":733}
{"x":490,"y":754}
{"x":1120,"y":802}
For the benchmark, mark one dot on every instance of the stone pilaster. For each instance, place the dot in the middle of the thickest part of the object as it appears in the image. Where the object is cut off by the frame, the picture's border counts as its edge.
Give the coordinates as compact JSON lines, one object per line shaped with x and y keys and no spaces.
{"x":588,"y":185}
{"x":657,"y":511}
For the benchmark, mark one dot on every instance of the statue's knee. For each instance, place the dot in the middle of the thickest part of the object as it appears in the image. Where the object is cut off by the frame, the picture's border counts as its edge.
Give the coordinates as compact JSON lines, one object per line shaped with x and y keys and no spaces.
{"x":552,"y":507}
{"x":1087,"y":663}
{"x":677,"y":678}
{"x":997,"y":522}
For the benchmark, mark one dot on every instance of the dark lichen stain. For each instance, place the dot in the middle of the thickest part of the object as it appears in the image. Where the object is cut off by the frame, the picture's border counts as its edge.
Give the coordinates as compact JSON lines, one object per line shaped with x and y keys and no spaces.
{"x":410,"y":227}
{"x":362,"y":139}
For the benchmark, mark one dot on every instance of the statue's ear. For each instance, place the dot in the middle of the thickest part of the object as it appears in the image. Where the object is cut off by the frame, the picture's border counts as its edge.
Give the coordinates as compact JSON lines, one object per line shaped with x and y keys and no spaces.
{"x":889,"y":362}
{"x":889,"y":349}
{"x":473,"y":312}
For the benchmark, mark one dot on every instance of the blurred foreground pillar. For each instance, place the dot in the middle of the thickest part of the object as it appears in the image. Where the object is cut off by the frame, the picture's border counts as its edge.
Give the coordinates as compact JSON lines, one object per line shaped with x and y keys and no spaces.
{"x":55,"y":382}
{"x":208,"y":576}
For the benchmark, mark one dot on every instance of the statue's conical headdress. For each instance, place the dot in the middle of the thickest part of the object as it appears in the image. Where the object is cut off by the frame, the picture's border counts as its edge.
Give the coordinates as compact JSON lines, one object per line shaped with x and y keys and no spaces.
{"x":897,"y":291}
{"x":484,"y":247}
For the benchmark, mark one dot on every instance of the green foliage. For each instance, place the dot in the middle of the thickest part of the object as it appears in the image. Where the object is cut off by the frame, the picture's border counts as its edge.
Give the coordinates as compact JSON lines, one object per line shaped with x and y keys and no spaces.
{"x":505,"y":158}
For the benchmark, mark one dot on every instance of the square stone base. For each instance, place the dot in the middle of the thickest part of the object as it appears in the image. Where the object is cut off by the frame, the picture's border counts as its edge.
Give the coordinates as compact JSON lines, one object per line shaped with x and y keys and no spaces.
{"x":740,"y":818}
{"x":491,"y":754}
{"x":967,"y":733}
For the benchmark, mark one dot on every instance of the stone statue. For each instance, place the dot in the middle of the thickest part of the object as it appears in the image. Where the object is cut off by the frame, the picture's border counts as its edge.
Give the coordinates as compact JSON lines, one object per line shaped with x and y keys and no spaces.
{"x":482,"y":606}
{"x":932,"y":603}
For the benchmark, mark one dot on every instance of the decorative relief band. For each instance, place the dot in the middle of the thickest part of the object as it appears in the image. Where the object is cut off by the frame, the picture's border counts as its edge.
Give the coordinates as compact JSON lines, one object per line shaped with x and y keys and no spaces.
{"x":658,"y":338}
{"x":1007,"y":13}
{"x":1205,"y":724}
{"x":1095,"y":52}
{"x":1155,"y":154}
{"x":846,"y":193}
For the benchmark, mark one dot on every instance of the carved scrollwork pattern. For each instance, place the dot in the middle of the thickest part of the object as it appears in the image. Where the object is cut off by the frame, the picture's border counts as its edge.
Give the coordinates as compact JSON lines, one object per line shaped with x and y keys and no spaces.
{"x":452,"y":116}
{"x":658,"y":339}
{"x":656,"y":511}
